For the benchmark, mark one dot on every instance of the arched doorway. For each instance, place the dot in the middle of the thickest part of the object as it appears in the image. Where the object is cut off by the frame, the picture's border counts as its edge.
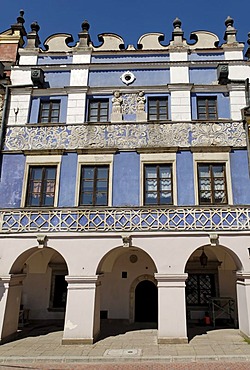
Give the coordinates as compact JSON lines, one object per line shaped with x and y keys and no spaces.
{"x":37,"y":292}
{"x":146,"y":302}
{"x":211,"y":299}
{"x":121,"y":270}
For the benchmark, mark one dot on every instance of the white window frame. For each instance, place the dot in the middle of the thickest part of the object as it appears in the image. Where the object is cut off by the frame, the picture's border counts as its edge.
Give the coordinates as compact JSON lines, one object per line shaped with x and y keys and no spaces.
{"x":208,"y":158}
{"x":158,"y":158}
{"x":41,"y":160}
{"x":95,"y":160}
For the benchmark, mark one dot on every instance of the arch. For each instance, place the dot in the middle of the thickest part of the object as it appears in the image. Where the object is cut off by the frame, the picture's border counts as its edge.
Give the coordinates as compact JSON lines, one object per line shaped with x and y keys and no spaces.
{"x":230,"y":252}
{"x":211,"y":285}
{"x":108,"y":260}
{"x":18,"y":265}
{"x":132,"y":293}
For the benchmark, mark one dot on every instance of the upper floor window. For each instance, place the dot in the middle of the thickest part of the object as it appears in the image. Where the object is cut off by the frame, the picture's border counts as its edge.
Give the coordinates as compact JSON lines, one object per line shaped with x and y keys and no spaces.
{"x":49,"y":111}
{"x":158,"y":109}
{"x":41,"y":186}
{"x":212,"y":183}
{"x":158,"y":184}
{"x":207,"y":108}
{"x":98,"y":110}
{"x":94,"y":185}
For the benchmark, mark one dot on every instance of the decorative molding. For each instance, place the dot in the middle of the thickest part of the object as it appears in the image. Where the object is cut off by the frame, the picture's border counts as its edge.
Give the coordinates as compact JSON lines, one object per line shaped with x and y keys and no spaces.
{"x":125,"y":136}
{"x":129,"y":105}
{"x":192,"y":219}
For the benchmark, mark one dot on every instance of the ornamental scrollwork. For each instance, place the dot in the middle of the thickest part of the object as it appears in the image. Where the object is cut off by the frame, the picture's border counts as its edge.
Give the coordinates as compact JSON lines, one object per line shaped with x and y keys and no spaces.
{"x":124,"y":136}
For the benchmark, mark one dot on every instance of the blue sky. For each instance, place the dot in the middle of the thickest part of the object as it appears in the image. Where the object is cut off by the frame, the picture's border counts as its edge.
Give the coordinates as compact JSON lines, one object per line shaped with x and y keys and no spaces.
{"x":128,"y":18}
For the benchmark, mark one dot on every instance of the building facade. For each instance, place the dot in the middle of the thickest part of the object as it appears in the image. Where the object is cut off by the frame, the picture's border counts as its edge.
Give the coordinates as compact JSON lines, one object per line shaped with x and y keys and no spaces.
{"x":125,"y":187}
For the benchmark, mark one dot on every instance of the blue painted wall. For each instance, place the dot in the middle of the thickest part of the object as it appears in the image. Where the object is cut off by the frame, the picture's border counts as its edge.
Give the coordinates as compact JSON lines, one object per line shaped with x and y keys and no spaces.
{"x":185,"y":178}
{"x":11,"y":181}
{"x":206,"y":56}
{"x":130,"y":58}
{"x":68,"y":180}
{"x":202,"y":75}
{"x":145,"y":77}
{"x":223,"y":104}
{"x":55,"y":60}
{"x":126,"y":179}
{"x":240,"y":177}
{"x":35,"y":105}
{"x":57,"y":78}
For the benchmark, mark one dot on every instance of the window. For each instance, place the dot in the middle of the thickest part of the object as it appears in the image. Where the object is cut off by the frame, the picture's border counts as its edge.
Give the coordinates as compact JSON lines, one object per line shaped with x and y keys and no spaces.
{"x":41,"y":186}
{"x":207,"y":108}
{"x":58,"y":291}
{"x":98,"y":110}
{"x":157,"y":109}
{"x":199,"y":288}
{"x":49,"y":111}
{"x":158,"y":184}
{"x":94,"y":185}
{"x":212,"y":183}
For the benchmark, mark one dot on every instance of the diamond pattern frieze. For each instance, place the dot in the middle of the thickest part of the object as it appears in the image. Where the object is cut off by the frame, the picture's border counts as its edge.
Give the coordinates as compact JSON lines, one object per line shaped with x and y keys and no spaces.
{"x":128,"y":219}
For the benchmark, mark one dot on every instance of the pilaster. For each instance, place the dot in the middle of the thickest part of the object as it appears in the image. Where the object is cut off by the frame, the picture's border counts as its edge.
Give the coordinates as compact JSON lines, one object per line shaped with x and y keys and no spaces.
{"x":82,"y":319}
{"x":172,"y":327}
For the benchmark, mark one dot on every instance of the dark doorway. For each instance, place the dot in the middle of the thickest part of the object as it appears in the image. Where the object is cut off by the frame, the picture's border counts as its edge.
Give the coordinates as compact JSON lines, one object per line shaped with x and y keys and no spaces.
{"x":146,"y":302}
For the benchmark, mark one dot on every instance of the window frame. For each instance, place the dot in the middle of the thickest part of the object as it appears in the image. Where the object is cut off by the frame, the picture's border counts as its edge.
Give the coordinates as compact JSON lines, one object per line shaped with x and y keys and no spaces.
{"x":157,"y":100}
{"x":98,"y":101}
{"x":43,"y":161}
{"x":199,"y":275}
{"x":94,"y":160}
{"x":212,"y":183}
{"x":158,"y":159}
{"x":95,"y":180}
{"x":213,"y":158}
{"x":42,"y":192}
{"x":50,"y":102}
{"x":158,"y":178}
{"x":207,"y":99}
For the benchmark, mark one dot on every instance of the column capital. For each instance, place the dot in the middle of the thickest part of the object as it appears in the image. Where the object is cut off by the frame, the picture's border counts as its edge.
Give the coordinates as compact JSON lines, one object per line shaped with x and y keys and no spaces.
{"x":82,"y":282}
{"x":12,"y":279}
{"x":242,"y":275}
{"x":171,"y":279}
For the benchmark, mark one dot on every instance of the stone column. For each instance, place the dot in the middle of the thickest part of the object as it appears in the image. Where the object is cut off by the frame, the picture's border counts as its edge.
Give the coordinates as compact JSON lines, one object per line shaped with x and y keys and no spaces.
{"x":10,"y":299}
{"x":82,"y":319}
{"x":116,"y":115}
{"x":141,"y":115}
{"x":172,"y":326}
{"x":243,"y":301}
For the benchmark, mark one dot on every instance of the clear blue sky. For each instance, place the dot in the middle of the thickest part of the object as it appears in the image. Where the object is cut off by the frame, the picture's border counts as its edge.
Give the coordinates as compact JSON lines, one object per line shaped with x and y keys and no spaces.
{"x":128,"y":18}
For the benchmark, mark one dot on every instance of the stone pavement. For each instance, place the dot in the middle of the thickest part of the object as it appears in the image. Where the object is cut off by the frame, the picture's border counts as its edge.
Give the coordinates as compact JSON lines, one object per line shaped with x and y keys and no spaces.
{"x":44,"y":345}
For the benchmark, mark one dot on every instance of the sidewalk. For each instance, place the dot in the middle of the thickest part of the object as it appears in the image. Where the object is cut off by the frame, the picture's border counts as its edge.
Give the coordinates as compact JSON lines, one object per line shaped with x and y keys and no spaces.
{"x":137,"y":345}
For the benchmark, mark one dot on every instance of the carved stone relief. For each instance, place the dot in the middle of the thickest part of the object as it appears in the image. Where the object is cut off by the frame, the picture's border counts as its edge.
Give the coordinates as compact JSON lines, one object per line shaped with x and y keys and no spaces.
{"x":125,"y":136}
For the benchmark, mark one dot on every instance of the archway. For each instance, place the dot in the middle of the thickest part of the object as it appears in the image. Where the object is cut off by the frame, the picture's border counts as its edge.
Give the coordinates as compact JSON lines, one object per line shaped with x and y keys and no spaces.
{"x":37,"y":292}
{"x":120,"y":271}
{"x":211,"y":299}
{"x":146,"y":302}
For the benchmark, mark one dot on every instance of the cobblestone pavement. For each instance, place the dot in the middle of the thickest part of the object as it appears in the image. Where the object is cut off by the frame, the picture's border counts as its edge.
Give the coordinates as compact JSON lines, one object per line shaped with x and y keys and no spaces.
{"x":131,"y":348}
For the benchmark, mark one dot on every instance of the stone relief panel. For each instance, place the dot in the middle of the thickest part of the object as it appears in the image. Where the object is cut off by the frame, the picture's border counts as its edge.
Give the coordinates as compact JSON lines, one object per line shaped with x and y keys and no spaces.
{"x":129,"y":104}
{"x":125,"y":136}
